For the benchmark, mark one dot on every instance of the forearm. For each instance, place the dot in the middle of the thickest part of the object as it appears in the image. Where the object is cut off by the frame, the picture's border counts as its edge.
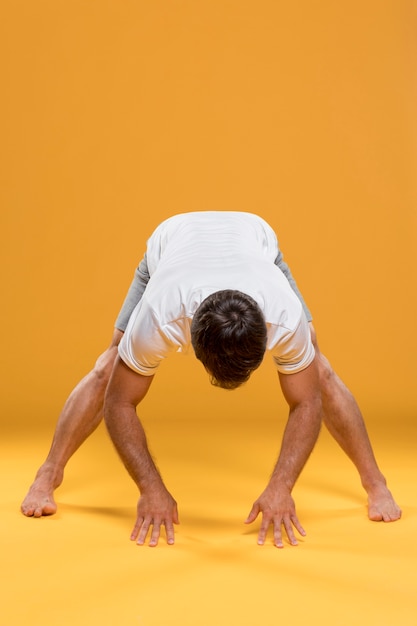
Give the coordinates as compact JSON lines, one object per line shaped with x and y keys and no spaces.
{"x":299,"y":438}
{"x":129,"y":439}
{"x":156,"y":507}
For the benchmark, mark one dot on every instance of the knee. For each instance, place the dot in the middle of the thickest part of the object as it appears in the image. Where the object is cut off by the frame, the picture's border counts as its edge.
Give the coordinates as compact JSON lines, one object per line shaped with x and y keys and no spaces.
{"x":326,"y":373}
{"x":104,"y":365}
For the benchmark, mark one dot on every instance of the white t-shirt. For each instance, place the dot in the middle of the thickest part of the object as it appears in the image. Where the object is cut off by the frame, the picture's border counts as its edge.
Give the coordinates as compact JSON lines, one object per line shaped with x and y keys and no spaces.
{"x":192,"y":255}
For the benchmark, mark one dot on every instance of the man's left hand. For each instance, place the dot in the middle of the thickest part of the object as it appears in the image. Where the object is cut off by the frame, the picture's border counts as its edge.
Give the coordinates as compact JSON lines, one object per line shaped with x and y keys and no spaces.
{"x":278,"y":509}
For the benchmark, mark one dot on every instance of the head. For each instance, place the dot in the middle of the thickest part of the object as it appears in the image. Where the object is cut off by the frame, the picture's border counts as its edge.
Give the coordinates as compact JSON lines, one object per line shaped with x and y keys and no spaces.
{"x":228,"y":334}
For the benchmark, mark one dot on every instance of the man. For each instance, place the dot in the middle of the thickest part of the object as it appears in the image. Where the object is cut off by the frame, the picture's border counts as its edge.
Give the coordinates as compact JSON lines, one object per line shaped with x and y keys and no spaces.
{"x":216,"y":281}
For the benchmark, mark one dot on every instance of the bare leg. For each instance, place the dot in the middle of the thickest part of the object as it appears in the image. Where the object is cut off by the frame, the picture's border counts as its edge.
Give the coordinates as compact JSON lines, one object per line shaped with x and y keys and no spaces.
{"x":80,"y":416}
{"x":345,"y":423}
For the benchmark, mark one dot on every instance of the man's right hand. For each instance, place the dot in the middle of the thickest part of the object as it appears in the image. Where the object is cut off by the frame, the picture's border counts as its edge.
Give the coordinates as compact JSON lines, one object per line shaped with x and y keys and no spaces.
{"x":156,"y":508}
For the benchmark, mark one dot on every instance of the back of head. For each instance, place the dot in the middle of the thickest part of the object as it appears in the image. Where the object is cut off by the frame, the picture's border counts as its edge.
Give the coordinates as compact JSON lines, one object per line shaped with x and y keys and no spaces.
{"x":228,"y":334}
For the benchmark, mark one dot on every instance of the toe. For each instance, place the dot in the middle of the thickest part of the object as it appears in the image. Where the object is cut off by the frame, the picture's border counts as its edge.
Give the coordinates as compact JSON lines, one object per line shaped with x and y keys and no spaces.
{"x":28,"y":511}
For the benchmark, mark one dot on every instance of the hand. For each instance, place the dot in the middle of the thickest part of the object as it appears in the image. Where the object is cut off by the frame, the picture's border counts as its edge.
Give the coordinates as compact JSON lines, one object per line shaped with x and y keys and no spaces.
{"x":156,"y":508}
{"x":278,"y":509}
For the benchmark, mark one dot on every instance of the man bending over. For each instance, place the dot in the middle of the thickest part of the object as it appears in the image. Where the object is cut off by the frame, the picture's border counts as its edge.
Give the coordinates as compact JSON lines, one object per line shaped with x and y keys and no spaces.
{"x":215,"y":281}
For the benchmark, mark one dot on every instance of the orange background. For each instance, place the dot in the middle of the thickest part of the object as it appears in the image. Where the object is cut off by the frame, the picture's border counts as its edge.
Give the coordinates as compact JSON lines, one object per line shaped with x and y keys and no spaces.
{"x":118,"y":114}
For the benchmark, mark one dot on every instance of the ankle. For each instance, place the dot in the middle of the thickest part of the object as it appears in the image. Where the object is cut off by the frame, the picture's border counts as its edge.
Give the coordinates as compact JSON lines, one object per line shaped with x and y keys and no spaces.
{"x":375,"y":483}
{"x":50,"y":474}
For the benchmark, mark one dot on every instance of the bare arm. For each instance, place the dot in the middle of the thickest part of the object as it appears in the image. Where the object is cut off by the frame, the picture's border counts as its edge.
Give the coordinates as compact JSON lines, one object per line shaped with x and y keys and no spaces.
{"x":302,"y":392}
{"x":156,"y":507}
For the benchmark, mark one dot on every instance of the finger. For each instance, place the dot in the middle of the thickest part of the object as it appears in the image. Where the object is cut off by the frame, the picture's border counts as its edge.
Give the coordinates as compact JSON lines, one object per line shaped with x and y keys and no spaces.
{"x":169,"y":529}
{"x":296,"y":523}
{"x":278,"y":535}
{"x":136,"y":529}
{"x":143,"y":532}
{"x":263,"y":530}
{"x":156,"y":531}
{"x":253,"y":514}
{"x":290,"y":532}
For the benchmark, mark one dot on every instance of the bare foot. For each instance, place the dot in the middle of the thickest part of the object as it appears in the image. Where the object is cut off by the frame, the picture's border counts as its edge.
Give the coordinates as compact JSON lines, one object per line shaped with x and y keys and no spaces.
{"x":382,"y":506}
{"x":38,"y":502}
{"x":40,"y":497}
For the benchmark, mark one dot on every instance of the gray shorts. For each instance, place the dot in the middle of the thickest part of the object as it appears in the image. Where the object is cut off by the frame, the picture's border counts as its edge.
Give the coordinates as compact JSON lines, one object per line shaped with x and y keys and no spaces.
{"x":136,"y":289}
{"x":141,"y":278}
{"x":287,"y":273}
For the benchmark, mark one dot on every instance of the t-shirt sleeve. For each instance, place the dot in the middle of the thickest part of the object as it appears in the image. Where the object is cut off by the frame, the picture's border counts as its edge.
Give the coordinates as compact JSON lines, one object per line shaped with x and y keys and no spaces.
{"x":146,"y":343}
{"x":293,"y":350}
{"x":143,"y":345}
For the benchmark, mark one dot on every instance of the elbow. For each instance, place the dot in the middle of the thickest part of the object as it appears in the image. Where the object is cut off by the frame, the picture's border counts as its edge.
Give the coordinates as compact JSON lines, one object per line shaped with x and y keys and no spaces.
{"x":310,"y":412}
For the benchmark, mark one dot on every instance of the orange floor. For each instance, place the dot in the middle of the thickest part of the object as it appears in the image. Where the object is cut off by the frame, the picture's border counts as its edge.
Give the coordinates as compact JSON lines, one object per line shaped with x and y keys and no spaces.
{"x":79,"y":567}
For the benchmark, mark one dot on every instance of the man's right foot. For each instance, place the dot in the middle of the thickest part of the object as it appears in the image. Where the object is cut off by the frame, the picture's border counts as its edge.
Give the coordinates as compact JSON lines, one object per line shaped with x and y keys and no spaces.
{"x":39,"y":500}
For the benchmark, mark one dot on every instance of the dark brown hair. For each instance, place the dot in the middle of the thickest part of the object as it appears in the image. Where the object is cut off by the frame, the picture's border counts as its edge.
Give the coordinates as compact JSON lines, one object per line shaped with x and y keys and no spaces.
{"x":228,"y":334}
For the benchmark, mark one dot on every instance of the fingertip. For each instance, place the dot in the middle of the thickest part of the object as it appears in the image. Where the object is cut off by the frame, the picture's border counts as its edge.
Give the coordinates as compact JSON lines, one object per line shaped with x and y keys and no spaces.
{"x":170,"y":538}
{"x":261,"y":538}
